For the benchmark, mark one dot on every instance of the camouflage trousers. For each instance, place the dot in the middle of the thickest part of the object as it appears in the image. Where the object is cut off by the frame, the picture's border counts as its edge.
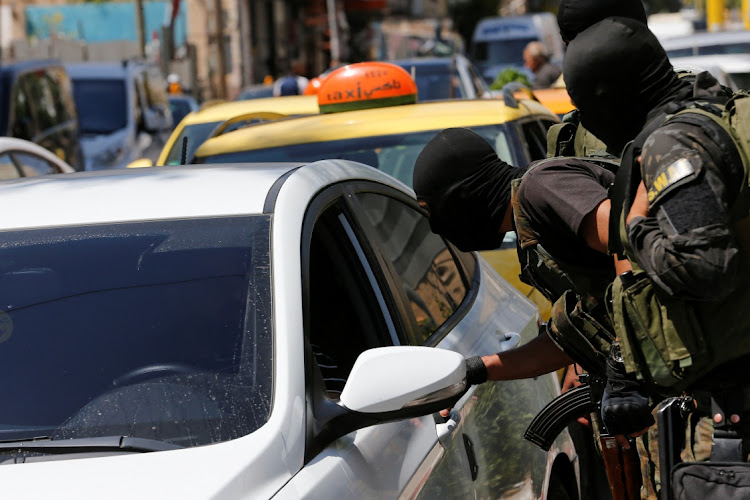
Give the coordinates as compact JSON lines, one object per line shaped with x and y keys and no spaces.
{"x":698,"y":442}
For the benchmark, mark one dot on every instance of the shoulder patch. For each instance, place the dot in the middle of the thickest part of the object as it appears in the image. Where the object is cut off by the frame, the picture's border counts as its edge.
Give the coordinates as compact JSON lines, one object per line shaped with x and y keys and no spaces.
{"x":670,"y":176}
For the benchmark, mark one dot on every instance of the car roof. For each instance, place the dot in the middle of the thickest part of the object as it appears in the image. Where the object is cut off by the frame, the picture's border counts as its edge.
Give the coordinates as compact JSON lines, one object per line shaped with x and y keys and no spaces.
{"x":122,"y":195}
{"x":705,"y":38}
{"x":406,"y":118}
{"x":427,"y":61}
{"x":287,"y":105}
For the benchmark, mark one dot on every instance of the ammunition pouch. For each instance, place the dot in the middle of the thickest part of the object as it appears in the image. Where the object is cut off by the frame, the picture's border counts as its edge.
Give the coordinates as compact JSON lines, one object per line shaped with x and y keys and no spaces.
{"x":661,"y":338}
{"x":576,"y":331}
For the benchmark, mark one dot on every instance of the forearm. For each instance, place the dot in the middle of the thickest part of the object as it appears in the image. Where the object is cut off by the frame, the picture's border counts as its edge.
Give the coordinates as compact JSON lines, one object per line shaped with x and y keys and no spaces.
{"x":700,"y":264}
{"x":541,"y":355}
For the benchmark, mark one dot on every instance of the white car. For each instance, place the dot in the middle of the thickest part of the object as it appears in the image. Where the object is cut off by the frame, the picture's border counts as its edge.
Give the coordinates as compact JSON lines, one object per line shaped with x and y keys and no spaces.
{"x":732,"y":70}
{"x":255,"y":331}
{"x":22,"y":158}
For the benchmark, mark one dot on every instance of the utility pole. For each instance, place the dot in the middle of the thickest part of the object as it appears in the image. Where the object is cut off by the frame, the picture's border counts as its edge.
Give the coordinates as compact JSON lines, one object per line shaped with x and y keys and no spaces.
{"x":221,"y":63}
{"x":140,"y":30}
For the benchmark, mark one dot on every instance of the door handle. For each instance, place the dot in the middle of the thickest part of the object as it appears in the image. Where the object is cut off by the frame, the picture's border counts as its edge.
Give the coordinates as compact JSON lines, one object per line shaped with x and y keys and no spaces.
{"x":444,"y":430}
{"x":511,"y":341}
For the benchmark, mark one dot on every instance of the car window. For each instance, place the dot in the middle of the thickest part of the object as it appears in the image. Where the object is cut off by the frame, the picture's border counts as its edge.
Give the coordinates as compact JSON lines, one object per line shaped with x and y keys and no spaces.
{"x":22,"y":121}
{"x":509,"y":52}
{"x":101,"y":104}
{"x":393,"y":154}
{"x":426,"y":270}
{"x":42,"y":97}
{"x":345,"y":314}
{"x":32,"y":165}
{"x":62,"y":91}
{"x":535,"y":135}
{"x":8,"y":168}
{"x":196,"y":135}
{"x":170,"y":317}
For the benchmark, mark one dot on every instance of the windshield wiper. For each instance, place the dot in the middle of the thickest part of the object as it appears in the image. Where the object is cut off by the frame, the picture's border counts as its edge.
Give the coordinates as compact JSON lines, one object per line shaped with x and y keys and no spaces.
{"x":84,"y":445}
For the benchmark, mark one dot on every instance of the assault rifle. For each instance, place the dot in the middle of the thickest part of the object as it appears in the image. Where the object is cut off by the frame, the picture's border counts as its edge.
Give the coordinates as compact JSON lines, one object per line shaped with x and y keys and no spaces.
{"x":623,"y":470}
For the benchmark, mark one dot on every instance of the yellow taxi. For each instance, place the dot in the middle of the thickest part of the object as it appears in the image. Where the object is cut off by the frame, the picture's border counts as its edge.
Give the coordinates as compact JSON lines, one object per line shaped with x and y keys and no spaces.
{"x":390,"y":137}
{"x":224,"y":116}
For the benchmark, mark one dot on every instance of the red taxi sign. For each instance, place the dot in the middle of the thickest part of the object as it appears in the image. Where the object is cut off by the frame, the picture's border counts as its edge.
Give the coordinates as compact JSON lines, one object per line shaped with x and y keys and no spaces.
{"x":366,"y":85}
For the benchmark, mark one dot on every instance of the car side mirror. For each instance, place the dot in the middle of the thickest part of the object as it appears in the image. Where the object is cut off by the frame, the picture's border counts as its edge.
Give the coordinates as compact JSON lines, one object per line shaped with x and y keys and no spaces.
{"x":388,"y":384}
{"x":397,"y":379}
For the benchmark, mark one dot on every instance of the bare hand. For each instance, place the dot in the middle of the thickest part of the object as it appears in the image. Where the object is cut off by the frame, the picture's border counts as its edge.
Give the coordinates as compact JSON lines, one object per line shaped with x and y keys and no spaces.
{"x":640,"y":204}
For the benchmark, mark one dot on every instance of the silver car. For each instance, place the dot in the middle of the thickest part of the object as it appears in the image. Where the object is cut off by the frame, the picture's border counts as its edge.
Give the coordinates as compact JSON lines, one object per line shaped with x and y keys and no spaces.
{"x":255,"y":331}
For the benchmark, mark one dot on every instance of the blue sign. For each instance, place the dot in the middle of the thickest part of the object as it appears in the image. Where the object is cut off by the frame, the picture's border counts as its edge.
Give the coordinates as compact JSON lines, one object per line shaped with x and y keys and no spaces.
{"x":102,"y":22}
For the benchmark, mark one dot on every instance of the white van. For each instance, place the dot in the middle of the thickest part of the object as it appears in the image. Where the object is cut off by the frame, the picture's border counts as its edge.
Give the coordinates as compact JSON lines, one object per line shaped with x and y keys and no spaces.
{"x":123,"y":112}
{"x":498,"y":42}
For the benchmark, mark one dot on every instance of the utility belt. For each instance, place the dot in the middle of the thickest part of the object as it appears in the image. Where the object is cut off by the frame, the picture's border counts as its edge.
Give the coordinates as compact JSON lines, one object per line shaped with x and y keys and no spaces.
{"x":727,"y":474}
{"x":574,"y":327}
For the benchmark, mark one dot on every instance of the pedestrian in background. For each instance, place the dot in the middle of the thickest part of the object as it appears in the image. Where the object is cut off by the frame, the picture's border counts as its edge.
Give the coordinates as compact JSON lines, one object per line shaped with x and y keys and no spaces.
{"x":536,"y":58}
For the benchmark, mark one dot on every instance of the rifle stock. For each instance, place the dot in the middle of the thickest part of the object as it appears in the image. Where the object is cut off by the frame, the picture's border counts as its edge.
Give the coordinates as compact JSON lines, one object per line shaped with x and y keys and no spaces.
{"x":557,"y":415}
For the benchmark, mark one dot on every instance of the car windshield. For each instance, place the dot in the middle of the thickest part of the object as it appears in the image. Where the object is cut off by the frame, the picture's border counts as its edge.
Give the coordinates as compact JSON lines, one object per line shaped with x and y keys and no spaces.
{"x":156,"y":330}
{"x":507,"y":52}
{"x":196,"y":135}
{"x":101,"y":105}
{"x":393,"y":154}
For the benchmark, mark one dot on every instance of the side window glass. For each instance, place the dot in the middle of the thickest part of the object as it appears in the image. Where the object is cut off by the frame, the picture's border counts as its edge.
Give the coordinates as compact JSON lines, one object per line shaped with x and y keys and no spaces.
{"x":22,"y":125}
{"x":43,"y":100}
{"x":430,"y":277}
{"x":344,"y":315}
{"x":535,"y":136}
{"x":62,"y":93}
{"x":32,"y":165}
{"x":8,"y":169}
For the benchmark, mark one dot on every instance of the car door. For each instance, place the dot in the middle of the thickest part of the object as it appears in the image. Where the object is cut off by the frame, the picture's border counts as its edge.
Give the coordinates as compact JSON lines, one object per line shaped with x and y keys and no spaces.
{"x":349,"y":306}
{"x":375,"y":275}
{"x":479,"y":314}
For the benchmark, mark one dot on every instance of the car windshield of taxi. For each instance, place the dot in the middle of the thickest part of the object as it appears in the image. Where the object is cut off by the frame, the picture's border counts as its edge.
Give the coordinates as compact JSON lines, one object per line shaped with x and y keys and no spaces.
{"x":388,"y":138}
{"x":200,"y":125}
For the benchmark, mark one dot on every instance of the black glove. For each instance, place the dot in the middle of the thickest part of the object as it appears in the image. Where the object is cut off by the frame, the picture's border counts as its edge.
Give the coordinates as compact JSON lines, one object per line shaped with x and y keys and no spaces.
{"x":476,"y":371}
{"x":625,"y":409}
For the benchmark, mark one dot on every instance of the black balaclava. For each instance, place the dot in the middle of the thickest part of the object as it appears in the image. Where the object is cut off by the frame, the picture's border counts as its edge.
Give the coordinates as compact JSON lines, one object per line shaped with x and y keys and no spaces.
{"x":617,"y":73}
{"x":466,"y":186}
{"x":574,"y":16}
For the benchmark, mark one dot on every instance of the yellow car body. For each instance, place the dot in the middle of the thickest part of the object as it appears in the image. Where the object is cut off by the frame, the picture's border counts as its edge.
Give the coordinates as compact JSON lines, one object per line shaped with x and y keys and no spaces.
{"x":383,"y":136}
{"x":199,"y":125}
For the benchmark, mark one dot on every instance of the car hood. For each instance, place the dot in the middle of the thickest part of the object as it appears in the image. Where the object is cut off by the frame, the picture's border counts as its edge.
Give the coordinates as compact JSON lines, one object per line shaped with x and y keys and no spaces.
{"x":253,"y":466}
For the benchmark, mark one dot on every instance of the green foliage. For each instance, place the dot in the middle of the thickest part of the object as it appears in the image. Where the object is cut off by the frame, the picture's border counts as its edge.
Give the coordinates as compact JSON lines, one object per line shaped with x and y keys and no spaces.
{"x":509,"y":75}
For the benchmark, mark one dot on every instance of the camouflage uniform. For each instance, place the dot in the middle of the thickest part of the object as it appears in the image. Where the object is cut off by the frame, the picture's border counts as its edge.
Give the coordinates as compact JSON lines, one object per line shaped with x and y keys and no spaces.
{"x":696,"y":260}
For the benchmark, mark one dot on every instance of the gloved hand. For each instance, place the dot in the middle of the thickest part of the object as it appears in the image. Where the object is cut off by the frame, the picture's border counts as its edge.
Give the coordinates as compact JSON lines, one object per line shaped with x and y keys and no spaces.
{"x":625,"y":409}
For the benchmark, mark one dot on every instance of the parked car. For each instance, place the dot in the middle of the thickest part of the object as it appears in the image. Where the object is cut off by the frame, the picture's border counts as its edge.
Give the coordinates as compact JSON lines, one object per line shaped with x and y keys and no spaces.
{"x":181,"y":105}
{"x":498,"y":42}
{"x":256,"y":92}
{"x":708,"y":43}
{"x":226,"y":116}
{"x":243,"y":337}
{"x":453,"y":77}
{"x":22,"y":158}
{"x":36,"y":104}
{"x":123,"y":110}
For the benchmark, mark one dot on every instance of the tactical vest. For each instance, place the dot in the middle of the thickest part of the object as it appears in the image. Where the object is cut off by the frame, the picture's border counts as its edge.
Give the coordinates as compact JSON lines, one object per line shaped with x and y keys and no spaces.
{"x":672,"y":343}
{"x":571,"y":139}
{"x":579,"y":323}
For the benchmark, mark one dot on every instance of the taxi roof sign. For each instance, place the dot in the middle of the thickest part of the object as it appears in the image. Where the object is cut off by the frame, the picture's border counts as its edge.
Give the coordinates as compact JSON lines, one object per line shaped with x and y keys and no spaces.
{"x":313,"y":86}
{"x":366,"y":85}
